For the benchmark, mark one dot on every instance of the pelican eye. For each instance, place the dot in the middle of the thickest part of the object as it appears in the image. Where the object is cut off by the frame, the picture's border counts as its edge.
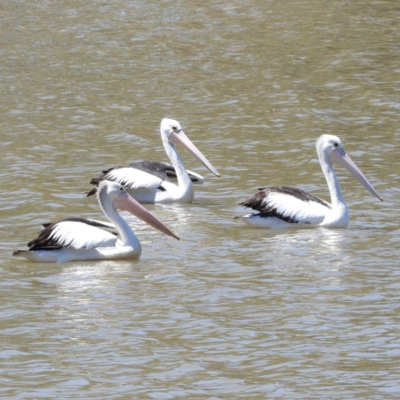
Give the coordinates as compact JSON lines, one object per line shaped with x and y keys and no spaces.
{"x":122,"y":189}
{"x":336,"y":144}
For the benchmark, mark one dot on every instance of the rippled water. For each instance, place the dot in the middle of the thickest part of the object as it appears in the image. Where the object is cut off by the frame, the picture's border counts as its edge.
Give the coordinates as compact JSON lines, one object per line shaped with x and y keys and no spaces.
{"x":229,"y":311}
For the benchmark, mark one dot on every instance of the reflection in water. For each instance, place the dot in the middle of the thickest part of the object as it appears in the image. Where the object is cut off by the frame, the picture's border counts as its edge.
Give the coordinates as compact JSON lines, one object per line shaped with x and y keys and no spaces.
{"x":316,"y":248}
{"x":333,"y":241}
{"x":83,"y":278}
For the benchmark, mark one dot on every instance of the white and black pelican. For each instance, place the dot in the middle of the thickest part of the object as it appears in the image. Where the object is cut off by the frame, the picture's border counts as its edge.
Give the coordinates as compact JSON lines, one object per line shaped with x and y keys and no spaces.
{"x":148,"y":181}
{"x":285,"y":206}
{"x":78,"y":239}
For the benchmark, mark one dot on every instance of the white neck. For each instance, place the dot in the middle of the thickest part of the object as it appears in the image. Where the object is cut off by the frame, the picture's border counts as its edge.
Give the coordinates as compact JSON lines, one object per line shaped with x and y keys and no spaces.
{"x":186,"y":190}
{"x":128,"y":237}
{"x":339,"y":208}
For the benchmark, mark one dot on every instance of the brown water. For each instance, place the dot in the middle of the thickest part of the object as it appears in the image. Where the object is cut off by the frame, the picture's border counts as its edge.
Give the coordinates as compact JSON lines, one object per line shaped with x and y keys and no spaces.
{"x":229,"y":311}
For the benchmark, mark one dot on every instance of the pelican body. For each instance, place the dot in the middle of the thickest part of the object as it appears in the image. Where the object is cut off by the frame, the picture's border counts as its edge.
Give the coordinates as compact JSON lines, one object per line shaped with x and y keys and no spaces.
{"x":164,"y":170}
{"x":78,"y":239}
{"x":149,"y":181}
{"x":285,"y":206}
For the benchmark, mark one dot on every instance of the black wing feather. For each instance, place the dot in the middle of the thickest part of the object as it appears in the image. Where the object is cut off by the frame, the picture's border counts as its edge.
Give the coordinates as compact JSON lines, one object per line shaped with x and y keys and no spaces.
{"x":259,"y":201}
{"x":104,"y":176}
{"x":43,"y":241}
{"x":160,"y":169}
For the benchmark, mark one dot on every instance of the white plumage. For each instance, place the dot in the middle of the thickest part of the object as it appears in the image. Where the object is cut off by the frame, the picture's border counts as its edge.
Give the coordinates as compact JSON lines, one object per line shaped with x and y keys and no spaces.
{"x":134,"y":181}
{"x":80,"y":235}
{"x":297,"y":209}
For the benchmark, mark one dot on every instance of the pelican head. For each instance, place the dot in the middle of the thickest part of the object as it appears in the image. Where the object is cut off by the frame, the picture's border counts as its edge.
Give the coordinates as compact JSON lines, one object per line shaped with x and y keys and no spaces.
{"x":172,"y":133}
{"x":112,"y":193}
{"x":330,"y":147}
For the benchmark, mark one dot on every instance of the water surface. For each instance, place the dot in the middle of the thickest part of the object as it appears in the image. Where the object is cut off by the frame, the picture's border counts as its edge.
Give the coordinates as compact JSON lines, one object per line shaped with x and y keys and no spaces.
{"x":229,"y":311}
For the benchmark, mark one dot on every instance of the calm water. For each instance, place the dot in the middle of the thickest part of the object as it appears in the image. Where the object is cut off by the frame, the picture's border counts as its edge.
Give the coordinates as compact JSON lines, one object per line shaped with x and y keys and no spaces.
{"x":229,"y":311}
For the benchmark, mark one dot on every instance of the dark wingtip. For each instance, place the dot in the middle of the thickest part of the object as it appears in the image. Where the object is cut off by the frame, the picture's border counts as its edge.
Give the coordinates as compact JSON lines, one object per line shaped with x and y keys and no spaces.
{"x":92,"y":192}
{"x":18,"y":252}
{"x":95,"y":181}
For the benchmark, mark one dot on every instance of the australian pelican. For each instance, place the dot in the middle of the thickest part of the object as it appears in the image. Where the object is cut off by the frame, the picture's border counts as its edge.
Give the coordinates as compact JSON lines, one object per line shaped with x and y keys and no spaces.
{"x":148,"y":181}
{"x":285,"y":206}
{"x":77,"y":239}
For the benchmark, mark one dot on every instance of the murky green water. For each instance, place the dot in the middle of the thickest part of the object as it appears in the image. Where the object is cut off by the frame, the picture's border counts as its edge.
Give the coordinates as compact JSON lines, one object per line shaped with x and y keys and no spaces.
{"x":229,"y":311}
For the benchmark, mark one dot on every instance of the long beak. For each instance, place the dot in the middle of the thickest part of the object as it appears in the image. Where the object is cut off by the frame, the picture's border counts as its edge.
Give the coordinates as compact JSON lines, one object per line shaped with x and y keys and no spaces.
{"x":182,"y":139}
{"x":127,"y":203}
{"x":340,"y":156}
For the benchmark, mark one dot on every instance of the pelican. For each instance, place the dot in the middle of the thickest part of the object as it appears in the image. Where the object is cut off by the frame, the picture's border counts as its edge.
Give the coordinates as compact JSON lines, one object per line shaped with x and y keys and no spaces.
{"x":78,"y":239}
{"x":285,"y":206}
{"x":148,"y":181}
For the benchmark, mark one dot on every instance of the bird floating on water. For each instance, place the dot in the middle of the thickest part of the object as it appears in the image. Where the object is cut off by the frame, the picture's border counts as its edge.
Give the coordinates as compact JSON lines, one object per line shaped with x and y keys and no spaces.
{"x":77,"y":239}
{"x":148,"y":181}
{"x":286,"y":206}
